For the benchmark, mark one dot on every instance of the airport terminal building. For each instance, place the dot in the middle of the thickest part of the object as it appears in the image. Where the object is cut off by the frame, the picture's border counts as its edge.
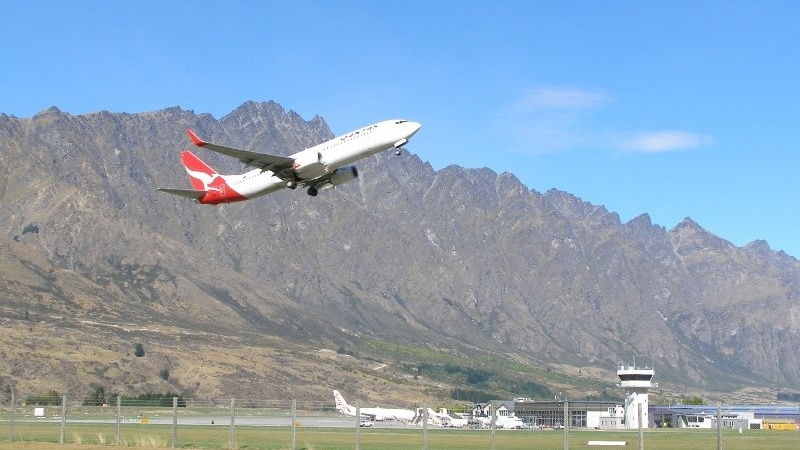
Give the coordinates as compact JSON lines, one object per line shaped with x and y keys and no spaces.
{"x":635,"y":382}
{"x":610,"y":415}
{"x":581,"y":414}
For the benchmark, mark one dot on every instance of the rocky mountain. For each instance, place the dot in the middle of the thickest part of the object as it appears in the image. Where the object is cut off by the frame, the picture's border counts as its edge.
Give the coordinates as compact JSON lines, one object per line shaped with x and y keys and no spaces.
{"x":407,"y":264}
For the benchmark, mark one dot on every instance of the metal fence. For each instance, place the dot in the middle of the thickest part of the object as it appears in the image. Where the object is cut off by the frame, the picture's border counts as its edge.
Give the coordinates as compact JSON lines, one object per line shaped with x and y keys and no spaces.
{"x":198,"y":423}
{"x":290,"y":425}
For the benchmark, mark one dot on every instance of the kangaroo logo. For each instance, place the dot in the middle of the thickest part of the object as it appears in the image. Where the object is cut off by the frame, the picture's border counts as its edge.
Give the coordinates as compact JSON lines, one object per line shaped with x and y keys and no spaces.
{"x":209,"y":180}
{"x":341,"y":405}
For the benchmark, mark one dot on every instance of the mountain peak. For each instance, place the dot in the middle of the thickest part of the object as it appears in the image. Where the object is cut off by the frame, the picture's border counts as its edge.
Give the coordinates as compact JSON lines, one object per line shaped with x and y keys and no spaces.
{"x":640,"y":221}
{"x":268,"y":117}
{"x":51,"y":111}
{"x":688,"y":223}
{"x":758,"y":246}
{"x":689,"y":237}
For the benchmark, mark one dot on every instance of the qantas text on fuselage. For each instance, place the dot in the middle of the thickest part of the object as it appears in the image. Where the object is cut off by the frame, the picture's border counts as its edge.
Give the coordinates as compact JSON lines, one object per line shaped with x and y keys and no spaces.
{"x":315,"y":168}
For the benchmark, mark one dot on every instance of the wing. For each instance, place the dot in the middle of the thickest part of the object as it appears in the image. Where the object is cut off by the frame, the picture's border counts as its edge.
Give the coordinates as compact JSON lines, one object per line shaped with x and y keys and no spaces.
{"x":279,"y":165}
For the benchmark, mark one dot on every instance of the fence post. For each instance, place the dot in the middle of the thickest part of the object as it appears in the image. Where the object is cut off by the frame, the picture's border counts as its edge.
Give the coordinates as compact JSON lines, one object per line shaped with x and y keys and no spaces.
{"x":174,"y":421}
{"x":641,"y":426}
{"x":11,"y":420}
{"x":424,"y":427}
{"x":566,"y":424}
{"x":63,"y":418}
{"x":119,"y":418}
{"x":231,"y":429}
{"x":493,"y":426}
{"x":719,"y":427}
{"x":358,"y":427}
{"x":294,"y":424}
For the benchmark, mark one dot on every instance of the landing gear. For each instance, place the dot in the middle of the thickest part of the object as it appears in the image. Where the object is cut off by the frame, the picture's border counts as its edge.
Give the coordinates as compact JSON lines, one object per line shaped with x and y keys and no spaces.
{"x":312,"y":191}
{"x":291,"y":185}
{"x":398,"y":152}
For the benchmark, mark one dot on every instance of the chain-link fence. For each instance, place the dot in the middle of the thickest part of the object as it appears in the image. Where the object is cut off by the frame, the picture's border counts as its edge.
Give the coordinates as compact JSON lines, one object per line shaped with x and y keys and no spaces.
{"x":175,"y":422}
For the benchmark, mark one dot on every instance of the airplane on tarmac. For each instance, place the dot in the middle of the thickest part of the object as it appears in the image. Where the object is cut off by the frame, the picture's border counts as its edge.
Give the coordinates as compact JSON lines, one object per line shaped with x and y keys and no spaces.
{"x":404,"y":415}
{"x":447,"y":419}
{"x":316,"y":168}
{"x":507,"y":422}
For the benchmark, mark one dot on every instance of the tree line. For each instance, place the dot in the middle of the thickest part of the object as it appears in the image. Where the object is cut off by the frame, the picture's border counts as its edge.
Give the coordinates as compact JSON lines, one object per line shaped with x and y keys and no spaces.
{"x":99,"y":397}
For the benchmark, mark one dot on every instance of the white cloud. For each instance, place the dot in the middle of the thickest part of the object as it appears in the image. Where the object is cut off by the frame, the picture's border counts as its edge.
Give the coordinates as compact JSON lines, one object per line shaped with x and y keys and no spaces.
{"x":550,"y":118}
{"x":561,"y":98}
{"x":663,"y":141}
{"x":559,"y":118}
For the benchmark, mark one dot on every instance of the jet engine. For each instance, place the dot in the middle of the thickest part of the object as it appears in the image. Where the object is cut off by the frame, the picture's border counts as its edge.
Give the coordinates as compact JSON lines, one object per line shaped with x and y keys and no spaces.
{"x":343,"y":175}
{"x":308,"y":166}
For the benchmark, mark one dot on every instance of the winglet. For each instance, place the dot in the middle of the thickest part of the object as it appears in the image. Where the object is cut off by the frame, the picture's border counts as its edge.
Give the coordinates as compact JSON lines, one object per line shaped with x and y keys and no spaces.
{"x":195,"y":140}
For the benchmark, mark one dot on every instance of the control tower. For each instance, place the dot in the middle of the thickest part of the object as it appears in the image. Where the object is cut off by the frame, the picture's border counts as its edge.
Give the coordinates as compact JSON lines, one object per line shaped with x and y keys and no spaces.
{"x":636,"y":382}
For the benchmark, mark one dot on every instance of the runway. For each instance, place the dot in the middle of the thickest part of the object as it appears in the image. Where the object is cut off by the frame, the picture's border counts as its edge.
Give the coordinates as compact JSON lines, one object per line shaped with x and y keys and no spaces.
{"x":225,"y":420}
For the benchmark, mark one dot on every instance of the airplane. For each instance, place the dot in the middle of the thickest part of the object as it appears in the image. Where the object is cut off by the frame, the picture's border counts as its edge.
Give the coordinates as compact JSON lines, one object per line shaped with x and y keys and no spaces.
{"x":404,"y":415}
{"x":316,"y":168}
{"x":506,"y":422}
{"x":448,"y":419}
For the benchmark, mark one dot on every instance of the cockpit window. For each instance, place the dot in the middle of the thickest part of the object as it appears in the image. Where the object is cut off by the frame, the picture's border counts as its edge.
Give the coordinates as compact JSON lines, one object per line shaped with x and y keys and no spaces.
{"x":400,"y":121}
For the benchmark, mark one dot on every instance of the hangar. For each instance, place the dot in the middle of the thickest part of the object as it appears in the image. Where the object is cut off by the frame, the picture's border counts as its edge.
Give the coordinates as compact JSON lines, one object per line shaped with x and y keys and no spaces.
{"x":733,"y":416}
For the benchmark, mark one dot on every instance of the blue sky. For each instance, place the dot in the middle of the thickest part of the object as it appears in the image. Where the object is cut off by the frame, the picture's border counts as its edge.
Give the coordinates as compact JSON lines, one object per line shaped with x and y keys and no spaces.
{"x":677,"y":108}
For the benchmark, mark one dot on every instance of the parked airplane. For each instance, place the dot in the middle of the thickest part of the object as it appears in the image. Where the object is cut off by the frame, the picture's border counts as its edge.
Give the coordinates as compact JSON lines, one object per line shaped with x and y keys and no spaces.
{"x":316,"y":168}
{"x":404,"y":415}
{"x":448,"y":419}
{"x":507,"y":422}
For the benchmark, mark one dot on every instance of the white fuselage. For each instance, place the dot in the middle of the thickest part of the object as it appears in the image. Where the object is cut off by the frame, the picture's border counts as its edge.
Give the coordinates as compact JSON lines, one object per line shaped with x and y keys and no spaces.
{"x":507,"y":422}
{"x":378,"y":413}
{"x":403,"y":415}
{"x":328,"y":156}
{"x":446,"y":419}
{"x":510,"y":422}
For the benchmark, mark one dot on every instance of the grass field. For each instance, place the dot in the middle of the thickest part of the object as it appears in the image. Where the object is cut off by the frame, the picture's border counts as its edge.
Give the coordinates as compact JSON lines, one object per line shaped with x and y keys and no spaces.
{"x":45,"y":436}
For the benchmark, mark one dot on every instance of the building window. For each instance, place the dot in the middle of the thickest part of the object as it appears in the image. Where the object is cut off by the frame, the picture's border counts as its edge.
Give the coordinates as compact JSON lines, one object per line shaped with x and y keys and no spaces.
{"x":577,"y":419}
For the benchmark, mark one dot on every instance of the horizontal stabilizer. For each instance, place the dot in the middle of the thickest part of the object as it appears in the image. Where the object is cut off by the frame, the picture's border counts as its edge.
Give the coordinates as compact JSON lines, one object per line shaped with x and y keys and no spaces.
{"x":191,"y":193}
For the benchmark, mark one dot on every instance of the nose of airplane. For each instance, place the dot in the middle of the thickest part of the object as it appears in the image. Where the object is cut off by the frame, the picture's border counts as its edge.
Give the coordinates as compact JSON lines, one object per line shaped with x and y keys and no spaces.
{"x":414,"y":127}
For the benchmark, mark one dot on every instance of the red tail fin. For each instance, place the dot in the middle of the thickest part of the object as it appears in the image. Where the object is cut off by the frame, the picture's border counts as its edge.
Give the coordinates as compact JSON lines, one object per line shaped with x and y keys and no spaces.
{"x":200,"y":174}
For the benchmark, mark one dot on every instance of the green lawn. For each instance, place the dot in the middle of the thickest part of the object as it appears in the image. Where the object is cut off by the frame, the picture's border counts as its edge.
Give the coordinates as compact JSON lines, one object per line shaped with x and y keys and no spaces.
{"x":88,"y":436}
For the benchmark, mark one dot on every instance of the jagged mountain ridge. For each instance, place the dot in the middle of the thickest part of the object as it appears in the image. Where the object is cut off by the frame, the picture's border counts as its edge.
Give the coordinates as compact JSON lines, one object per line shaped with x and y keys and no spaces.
{"x":444,"y":258}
